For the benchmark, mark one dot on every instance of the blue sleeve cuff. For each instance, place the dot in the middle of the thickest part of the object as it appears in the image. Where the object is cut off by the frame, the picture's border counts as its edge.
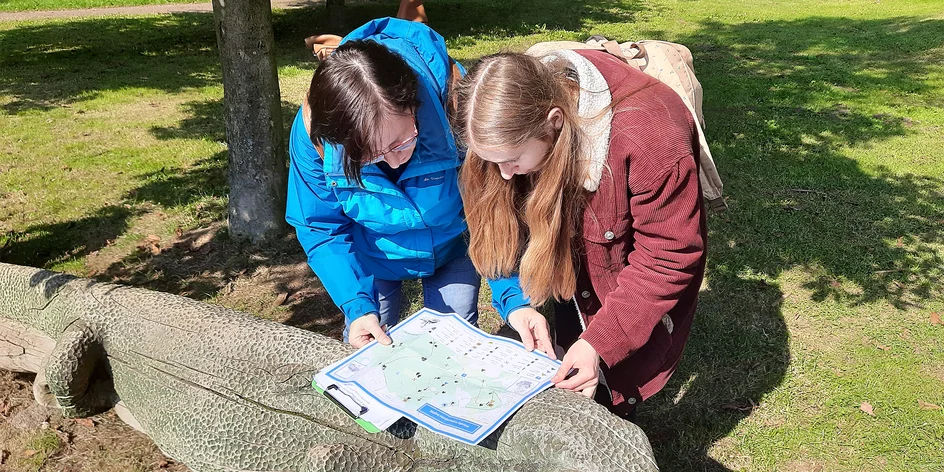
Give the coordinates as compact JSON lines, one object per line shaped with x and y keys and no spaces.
{"x":507,"y":295}
{"x":357,"y":308}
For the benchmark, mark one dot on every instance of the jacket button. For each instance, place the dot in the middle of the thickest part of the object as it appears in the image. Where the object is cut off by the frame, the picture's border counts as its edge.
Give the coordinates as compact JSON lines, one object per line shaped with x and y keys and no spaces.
{"x":609,"y":235}
{"x":631,"y":400}
{"x":585,"y":294}
{"x":334,"y":184}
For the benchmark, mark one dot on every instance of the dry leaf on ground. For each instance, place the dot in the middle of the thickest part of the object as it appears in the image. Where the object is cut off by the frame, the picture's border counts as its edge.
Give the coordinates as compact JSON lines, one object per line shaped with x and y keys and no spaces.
{"x":88,"y":423}
{"x":936,"y":318}
{"x":279,"y":300}
{"x":867,"y":408}
{"x":928,"y":406}
{"x":151,"y":245}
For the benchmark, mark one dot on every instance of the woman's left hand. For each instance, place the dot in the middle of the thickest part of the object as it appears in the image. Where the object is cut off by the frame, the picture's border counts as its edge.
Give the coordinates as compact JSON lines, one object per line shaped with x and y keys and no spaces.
{"x":583,"y":357}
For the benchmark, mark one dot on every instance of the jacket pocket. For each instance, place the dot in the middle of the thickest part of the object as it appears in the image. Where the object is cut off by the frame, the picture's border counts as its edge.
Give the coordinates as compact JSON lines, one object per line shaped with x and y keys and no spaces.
{"x":606,"y":243}
{"x":608,"y":238}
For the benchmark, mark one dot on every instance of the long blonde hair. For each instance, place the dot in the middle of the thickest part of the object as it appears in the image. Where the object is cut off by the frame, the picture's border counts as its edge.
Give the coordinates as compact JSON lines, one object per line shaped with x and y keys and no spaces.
{"x":528,"y":224}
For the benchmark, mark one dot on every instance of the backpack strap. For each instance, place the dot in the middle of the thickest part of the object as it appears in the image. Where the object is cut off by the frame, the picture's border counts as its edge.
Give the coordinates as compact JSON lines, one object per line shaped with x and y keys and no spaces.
{"x":640,"y":50}
{"x":455,"y":75}
{"x":613,"y":48}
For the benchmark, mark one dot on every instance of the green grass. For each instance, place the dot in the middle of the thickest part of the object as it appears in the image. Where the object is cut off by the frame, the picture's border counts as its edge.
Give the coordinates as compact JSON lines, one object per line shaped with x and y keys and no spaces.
{"x":40,"y":447}
{"x":825,"y":118}
{"x":32,"y":5}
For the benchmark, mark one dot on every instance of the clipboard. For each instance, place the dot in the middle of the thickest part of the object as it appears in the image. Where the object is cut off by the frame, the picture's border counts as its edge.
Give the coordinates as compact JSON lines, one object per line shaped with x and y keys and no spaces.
{"x":369,"y":427}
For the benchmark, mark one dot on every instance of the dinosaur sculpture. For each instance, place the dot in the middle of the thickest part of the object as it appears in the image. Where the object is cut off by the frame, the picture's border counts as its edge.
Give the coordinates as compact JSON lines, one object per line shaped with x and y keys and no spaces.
{"x":220,"y":390}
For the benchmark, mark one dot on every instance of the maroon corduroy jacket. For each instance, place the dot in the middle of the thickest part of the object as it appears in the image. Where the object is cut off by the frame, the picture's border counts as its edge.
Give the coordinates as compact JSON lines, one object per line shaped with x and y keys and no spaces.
{"x":644,"y":237}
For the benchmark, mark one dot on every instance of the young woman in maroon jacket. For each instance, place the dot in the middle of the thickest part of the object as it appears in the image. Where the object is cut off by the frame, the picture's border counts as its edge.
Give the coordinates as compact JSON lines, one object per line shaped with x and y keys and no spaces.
{"x":581,"y":187}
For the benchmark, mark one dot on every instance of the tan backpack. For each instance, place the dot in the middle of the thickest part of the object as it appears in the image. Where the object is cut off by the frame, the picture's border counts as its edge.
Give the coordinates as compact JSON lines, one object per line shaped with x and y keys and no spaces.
{"x":671,"y":64}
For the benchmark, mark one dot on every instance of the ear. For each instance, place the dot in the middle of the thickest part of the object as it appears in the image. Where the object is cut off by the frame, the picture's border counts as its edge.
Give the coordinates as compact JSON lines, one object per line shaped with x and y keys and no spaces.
{"x":555,"y":118}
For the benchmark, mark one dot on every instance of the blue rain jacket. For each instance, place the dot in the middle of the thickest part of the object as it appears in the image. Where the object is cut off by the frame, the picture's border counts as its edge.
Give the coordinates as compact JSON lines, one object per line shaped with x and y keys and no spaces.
{"x":388,"y":230}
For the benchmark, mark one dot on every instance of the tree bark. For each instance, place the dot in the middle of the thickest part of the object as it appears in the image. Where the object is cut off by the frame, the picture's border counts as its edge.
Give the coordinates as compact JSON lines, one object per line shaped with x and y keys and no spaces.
{"x":258,"y":174}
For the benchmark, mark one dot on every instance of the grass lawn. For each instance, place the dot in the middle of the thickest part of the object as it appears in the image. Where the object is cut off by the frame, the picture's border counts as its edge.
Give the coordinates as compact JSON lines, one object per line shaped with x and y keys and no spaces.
{"x":30,"y":5}
{"x":816,"y":345}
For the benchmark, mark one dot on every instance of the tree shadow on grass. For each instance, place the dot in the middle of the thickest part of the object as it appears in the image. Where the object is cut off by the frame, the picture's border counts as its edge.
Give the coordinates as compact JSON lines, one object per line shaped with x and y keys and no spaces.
{"x":47,"y":244}
{"x":455,"y":19}
{"x":46,"y":64}
{"x":44,"y":244}
{"x":782,"y":103}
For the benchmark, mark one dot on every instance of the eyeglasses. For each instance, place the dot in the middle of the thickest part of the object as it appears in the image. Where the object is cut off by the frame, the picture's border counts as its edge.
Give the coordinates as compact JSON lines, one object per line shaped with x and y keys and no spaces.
{"x":401,"y":146}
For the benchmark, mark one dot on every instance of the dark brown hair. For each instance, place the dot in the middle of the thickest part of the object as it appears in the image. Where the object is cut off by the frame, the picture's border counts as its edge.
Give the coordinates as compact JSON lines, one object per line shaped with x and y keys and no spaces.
{"x":352,"y":92}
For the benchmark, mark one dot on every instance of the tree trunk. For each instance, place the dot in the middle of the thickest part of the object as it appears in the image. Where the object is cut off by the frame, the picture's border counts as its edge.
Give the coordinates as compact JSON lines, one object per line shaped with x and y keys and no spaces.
{"x":252,"y":110}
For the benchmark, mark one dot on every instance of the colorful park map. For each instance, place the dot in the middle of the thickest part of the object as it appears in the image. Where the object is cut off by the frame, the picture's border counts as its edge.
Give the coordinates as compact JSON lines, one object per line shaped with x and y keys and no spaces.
{"x":445,"y":375}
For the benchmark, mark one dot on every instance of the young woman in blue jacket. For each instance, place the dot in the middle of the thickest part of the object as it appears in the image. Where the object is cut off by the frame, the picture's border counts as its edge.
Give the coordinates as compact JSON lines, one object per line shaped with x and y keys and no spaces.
{"x":373,"y":182}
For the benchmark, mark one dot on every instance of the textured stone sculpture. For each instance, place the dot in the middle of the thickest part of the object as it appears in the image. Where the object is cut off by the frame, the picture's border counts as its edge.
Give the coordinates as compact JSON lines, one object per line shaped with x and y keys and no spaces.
{"x":220,"y":390}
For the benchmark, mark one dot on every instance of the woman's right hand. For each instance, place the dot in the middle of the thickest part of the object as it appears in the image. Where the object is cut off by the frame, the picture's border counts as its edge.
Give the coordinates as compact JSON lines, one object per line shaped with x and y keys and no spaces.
{"x":366,"y":329}
{"x":532,"y":327}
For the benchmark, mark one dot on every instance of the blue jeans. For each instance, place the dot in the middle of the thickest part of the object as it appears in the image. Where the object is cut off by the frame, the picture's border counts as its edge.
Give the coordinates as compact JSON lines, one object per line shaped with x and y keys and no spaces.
{"x":453,"y":288}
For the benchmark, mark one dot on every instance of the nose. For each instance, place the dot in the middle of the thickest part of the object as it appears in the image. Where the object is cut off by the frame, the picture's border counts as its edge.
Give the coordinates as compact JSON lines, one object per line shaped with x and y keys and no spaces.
{"x":507,"y":170}
{"x":396,"y":159}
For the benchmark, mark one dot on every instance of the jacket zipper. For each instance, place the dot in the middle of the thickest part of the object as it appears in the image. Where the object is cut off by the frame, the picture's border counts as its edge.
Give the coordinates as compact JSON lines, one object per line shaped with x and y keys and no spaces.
{"x":583,"y":324}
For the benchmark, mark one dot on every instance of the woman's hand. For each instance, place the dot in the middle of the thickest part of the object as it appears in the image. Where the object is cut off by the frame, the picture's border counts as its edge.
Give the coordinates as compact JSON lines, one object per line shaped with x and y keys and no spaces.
{"x":532,"y":327}
{"x":366,"y":329}
{"x":583,"y":357}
